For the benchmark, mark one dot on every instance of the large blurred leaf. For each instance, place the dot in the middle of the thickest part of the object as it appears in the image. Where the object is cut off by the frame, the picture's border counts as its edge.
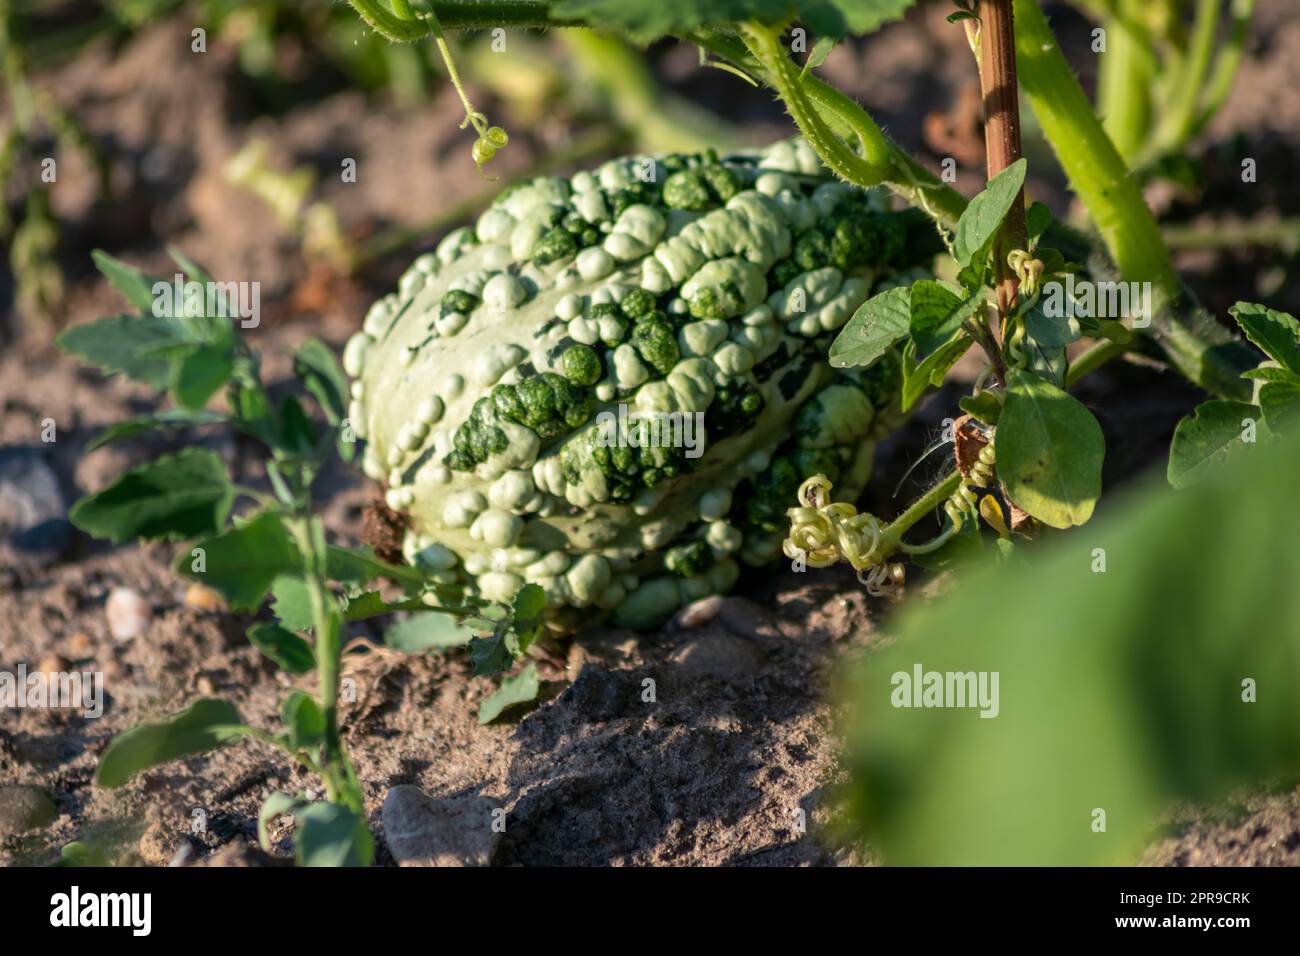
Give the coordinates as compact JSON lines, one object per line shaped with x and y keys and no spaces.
{"x":1120,"y":689}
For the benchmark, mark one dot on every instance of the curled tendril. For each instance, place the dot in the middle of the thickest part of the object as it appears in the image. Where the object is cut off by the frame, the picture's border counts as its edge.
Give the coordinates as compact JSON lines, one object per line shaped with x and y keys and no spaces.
{"x":964,"y":502}
{"x":823,"y":532}
{"x":1029,"y":271}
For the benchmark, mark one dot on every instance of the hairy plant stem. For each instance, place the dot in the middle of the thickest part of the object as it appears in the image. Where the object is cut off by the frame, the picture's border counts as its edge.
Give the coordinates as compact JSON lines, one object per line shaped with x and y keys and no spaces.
{"x":336,"y":770}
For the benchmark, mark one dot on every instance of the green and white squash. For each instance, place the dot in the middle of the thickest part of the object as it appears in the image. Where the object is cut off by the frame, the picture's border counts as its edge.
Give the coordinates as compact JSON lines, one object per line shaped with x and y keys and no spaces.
{"x":678,"y":284}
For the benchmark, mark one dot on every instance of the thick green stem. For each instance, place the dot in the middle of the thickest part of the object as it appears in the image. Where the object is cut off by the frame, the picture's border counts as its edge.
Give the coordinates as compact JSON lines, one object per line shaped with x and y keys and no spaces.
{"x":1114,"y":201}
{"x":891,"y":538}
{"x":1180,"y":121}
{"x":1123,"y":89}
{"x":869,"y":170}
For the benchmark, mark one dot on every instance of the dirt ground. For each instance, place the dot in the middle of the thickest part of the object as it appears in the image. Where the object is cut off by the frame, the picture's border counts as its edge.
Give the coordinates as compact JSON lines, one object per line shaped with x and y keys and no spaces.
{"x":739,"y":739}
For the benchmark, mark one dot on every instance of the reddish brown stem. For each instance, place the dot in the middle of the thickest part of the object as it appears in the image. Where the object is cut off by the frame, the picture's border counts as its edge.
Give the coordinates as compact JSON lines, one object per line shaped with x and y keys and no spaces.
{"x":1002,"y":130}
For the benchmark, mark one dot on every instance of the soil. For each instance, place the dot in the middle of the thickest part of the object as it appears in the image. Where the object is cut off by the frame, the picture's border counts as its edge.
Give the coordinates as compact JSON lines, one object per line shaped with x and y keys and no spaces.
{"x":738,"y":738}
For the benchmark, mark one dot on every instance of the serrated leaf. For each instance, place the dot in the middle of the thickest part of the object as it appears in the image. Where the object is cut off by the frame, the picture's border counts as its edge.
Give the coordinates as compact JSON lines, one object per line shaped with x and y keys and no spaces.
{"x":144,"y":348}
{"x":1049,"y":451}
{"x":427,"y":631}
{"x":243,"y":562}
{"x":315,"y":365}
{"x":134,"y":285}
{"x":175,"y":496}
{"x":818,"y":54}
{"x":291,"y":604}
{"x":878,"y":325}
{"x":982,"y":218}
{"x":1207,"y":438}
{"x":1280,"y":403}
{"x":304,"y":720}
{"x":284,"y":647}
{"x":329,"y":834}
{"x":937,"y":313}
{"x":1271,"y":373}
{"x":518,"y":689}
{"x":918,"y":378}
{"x":1275,"y":333}
{"x":528,"y":609}
{"x":172,"y":418}
{"x":201,"y":373}
{"x":206,"y":724}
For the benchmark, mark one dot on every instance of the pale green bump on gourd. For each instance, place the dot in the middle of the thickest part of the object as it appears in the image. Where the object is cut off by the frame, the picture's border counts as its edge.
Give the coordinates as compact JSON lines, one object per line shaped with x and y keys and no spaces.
{"x":688,"y":284}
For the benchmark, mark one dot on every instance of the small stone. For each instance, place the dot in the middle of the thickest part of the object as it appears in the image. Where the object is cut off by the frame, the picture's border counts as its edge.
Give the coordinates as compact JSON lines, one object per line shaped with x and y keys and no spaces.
{"x":205,"y":686}
{"x":698,"y":613}
{"x":155,"y":845}
{"x":53,"y":664}
{"x":203,"y":598}
{"x":25,"y":807}
{"x":128,"y":614}
{"x":33,"y":511}
{"x":80,"y":645}
{"x":182,"y":857}
{"x":439,"y":831}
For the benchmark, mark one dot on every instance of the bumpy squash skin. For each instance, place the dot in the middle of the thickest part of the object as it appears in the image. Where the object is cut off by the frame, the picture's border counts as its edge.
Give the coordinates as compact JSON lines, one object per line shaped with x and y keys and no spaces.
{"x":479,"y":383}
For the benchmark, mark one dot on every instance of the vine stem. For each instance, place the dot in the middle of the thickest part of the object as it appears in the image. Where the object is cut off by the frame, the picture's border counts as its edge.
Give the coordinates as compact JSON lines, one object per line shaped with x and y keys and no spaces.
{"x":1002,"y":146}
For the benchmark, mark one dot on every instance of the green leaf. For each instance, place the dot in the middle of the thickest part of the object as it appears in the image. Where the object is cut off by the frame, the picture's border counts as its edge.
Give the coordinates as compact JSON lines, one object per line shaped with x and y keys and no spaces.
{"x":818,"y":54}
{"x":646,"y":20}
{"x":291,"y":604}
{"x":134,"y":285}
{"x":979,"y":223}
{"x":918,"y":378}
{"x":1277,"y":334}
{"x":491,"y":655}
{"x":315,"y":365}
{"x":243,"y":562}
{"x":175,"y":496}
{"x":297,"y":433}
{"x":191,"y":269}
{"x":877,"y":326}
{"x":304,"y":720}
{"x":206,"y":724}
{"x":144,"y":348}
{"x":985,"y":405}
{"x":937,"y":313}
{"x":172,"y":418}
{"x":1049,"y":451}
{"x":370,"y":604}
{"x":1280,"y":403}
{"x":330,"y":834}
{"x":360,"y":566}
{"x":528,"y":610}
{"x":1271,"y":373}
{"x":1038,"y":218}
{"x":1048,"y":332}
{"x":428,"y":631}
{"x":519,"y":689}
{"x":277,"y":804}
{"x":202,"y":373}
{"x":287,"y":649}
{"x":1204,"y":440}
{"x":1121,"y":689}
